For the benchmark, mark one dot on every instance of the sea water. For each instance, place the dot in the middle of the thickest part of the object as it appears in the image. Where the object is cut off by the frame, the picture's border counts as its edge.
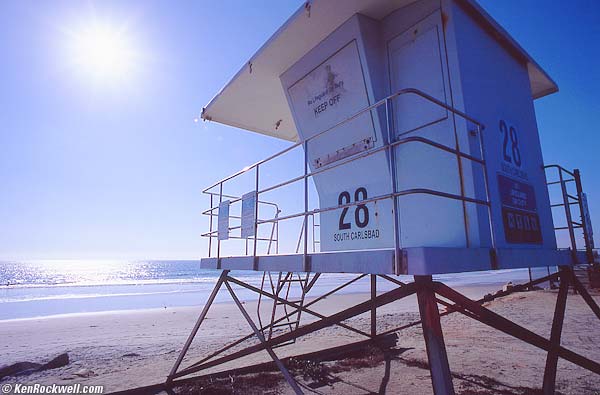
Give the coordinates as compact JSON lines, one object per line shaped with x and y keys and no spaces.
{"x":55,"y":287}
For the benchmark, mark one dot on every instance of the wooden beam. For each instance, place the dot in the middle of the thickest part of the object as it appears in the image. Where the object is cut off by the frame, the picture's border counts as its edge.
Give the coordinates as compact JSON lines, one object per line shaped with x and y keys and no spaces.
{"x":557,"y":324}
{"x":358,"y":309}
{"x":441,"y":378}
{"x":502,"y":324}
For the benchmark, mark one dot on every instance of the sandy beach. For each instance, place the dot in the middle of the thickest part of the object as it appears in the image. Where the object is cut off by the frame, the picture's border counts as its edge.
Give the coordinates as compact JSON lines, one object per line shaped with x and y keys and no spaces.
{"x":122,"y":350}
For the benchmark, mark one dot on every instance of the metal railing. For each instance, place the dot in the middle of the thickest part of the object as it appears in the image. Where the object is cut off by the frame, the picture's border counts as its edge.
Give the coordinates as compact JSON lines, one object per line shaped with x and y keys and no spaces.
{"x":569,"y":199}
{"x":387,"y":147}
{"x":274,"y":234}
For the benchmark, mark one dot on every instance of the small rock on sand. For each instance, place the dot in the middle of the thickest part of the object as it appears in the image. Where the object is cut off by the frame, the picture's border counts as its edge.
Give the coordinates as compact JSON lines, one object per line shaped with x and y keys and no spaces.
{"x":58,"y":362}
{"x":24,"y":368}
{"x":84,"y":372}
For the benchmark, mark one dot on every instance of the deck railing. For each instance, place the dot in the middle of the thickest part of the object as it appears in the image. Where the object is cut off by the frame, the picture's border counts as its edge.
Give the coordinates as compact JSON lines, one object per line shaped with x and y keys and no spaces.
{"x":215,"y":191}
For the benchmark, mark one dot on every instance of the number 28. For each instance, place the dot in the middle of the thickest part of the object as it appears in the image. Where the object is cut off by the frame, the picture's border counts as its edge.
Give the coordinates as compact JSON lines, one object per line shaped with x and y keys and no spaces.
{"x":510,"y":149}
{"x":361,"y":210}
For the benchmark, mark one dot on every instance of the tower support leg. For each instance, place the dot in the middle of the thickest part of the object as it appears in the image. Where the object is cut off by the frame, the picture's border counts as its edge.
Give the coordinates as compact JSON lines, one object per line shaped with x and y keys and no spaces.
{"x":441,"y":378}
{"x":373,"y":306}
{"x":557,"y":324}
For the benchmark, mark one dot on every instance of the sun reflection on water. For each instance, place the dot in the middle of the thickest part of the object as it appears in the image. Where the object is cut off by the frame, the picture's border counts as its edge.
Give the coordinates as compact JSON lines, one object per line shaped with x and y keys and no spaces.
{"x":91,"y":272}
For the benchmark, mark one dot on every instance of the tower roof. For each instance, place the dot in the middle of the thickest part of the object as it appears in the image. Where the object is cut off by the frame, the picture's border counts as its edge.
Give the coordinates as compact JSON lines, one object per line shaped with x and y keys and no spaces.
{"x":254,"y":98}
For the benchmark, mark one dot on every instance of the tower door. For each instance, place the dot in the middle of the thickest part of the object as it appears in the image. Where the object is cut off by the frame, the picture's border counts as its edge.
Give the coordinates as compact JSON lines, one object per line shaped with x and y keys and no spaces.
{"x":417,"y":60}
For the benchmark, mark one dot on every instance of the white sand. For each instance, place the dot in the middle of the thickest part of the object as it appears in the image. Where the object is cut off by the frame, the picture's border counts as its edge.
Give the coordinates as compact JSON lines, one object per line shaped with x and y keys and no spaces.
{"x":153,"y":339}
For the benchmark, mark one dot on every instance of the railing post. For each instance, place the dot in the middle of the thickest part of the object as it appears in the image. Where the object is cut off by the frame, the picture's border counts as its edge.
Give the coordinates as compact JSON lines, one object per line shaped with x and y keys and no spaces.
{"x":486,"y":185}
{"x":392,"y":162}
{"x":210,"y":224}
{"x":255,"y":260}
{"x":219,"y":241}
{"x":586,"y":232}
{"x":306,"y":262}
{"x":277,"y":232}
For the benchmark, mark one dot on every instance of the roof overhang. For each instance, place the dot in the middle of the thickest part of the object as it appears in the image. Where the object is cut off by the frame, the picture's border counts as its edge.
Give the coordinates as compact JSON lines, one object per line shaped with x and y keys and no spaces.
{"x":254,"y":99}
{"x":541,"y":83}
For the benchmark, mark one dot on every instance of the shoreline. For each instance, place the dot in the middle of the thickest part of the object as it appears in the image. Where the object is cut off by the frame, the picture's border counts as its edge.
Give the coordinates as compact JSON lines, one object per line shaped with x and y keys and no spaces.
{"x":486,"y":285}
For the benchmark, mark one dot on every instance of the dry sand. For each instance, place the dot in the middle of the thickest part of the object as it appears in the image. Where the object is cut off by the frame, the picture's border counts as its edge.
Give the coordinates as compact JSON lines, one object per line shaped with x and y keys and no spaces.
{"x":136,"y":348}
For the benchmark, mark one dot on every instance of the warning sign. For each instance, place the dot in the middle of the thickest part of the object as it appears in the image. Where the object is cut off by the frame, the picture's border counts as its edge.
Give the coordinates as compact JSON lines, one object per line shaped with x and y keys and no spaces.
{"x":519,"y":211}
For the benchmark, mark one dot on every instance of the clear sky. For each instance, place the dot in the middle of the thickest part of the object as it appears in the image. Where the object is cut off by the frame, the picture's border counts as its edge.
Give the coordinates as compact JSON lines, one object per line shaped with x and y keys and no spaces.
{"x":98,"y":163}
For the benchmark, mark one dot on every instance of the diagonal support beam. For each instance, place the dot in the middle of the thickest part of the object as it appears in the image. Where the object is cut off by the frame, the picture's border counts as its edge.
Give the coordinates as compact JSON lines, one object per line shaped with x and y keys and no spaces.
{"x":291,"y":304}
{"x":358,"y":309}
{"x":391,"y":279}
{"x":523,"y":287}
{"x":312,"y":282}
{"x":243,"y":339}
{"x":452,"y":308}
{"x":557,"y":324}
{"x":280,"y":365}
{"x":586,"y":296}
{"x":502,"y":324}
{"x":201,"y":318}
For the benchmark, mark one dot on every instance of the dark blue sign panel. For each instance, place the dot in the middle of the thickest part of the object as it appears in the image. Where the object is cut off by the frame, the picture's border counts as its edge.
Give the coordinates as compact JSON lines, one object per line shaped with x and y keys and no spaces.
{"x":521,"y":226}
{"x":521,"y":222}
{"x":516,"y":194}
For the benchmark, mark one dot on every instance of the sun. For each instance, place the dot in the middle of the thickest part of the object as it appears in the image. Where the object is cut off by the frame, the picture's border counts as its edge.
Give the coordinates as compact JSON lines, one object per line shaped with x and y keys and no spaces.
{"x":103,"y":53}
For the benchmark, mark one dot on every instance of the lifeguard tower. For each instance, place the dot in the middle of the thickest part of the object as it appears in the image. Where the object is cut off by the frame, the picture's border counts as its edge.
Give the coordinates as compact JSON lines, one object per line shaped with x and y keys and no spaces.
{"x":414,"y":151}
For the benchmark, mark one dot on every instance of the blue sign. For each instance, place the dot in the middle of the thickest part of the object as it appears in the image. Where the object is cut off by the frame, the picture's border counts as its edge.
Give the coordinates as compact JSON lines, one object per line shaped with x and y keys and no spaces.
{"x":516,"y":194}
{"x":521,"y":222}
{"x":521,"y":226}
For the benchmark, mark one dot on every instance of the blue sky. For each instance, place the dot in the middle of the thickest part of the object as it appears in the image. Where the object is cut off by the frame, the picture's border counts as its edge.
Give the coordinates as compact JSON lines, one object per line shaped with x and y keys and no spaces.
{"x":114,"y":168}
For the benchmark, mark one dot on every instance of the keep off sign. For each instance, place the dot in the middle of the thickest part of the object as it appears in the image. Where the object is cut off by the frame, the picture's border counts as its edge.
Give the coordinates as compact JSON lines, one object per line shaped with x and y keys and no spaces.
{"x":331,"y":93}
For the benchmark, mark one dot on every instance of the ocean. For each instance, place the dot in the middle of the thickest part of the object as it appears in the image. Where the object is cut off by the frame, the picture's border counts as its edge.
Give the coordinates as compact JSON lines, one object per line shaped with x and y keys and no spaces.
{"x":56,"y":287}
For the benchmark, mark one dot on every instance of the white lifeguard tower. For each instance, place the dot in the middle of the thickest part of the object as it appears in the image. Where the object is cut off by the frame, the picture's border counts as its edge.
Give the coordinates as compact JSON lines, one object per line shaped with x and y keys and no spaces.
{"x":420,"y":154}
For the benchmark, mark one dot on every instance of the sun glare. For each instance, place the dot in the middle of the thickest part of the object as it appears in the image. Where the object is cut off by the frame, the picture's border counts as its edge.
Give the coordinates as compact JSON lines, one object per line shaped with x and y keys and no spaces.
{"x":103,"y":53}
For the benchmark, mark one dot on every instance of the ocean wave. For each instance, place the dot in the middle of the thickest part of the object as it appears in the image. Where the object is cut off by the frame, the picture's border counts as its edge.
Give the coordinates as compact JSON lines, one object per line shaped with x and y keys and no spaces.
{"x":95,"y":295}
{"x":209,"y":279}
{"x":252,"y":278}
